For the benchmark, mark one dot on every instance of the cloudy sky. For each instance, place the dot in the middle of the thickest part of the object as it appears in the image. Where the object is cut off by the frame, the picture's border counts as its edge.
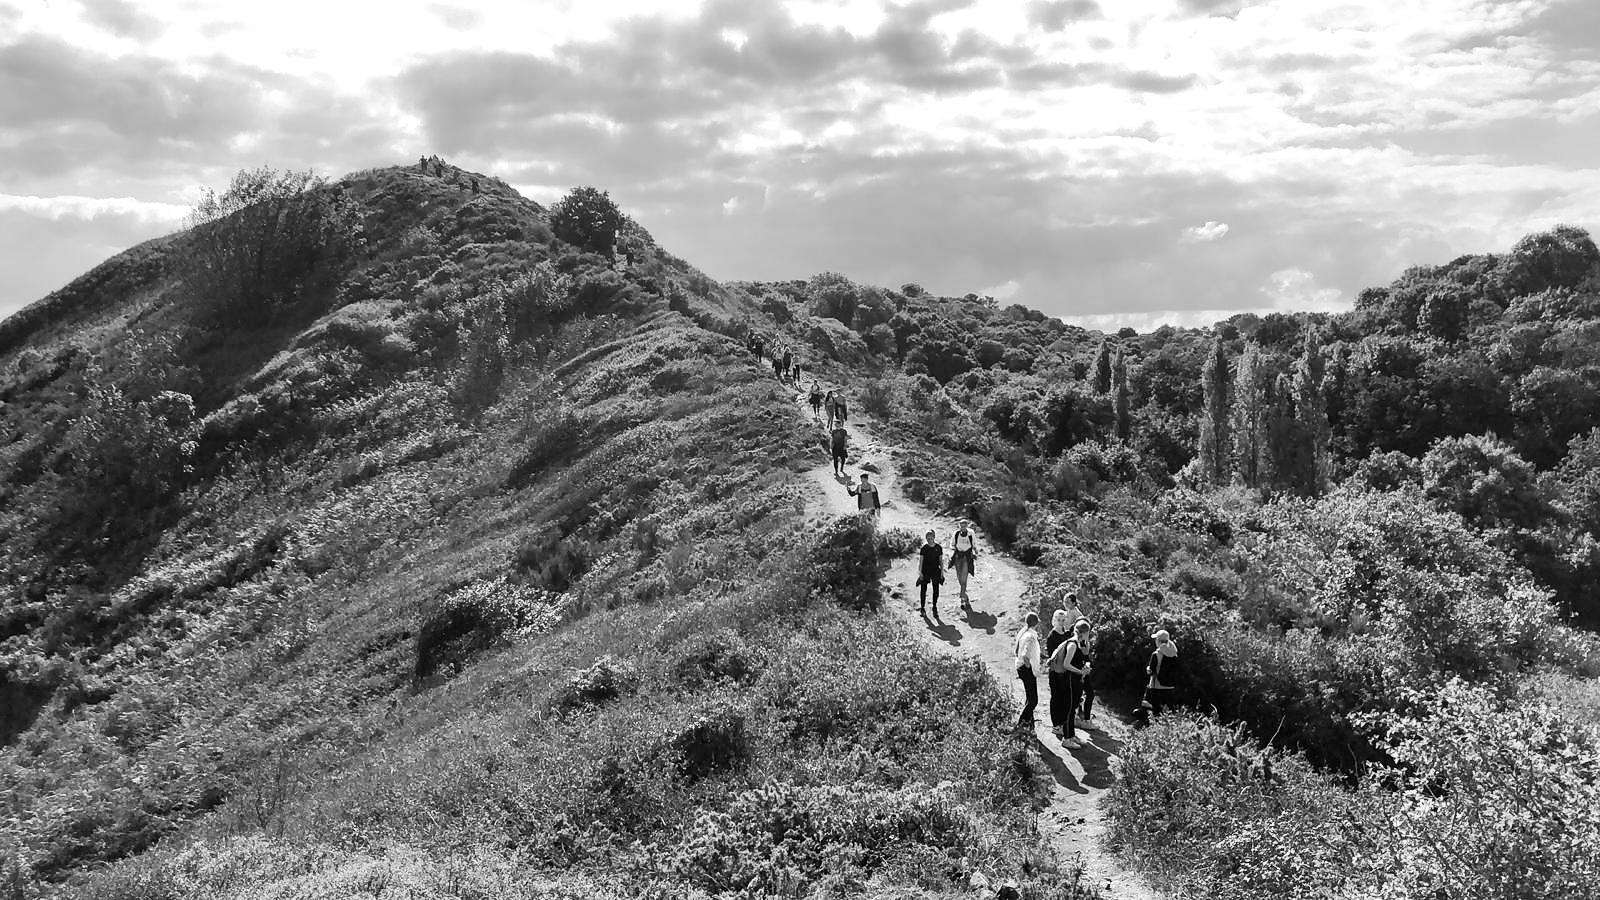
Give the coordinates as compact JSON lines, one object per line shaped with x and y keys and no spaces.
{"x":1127,"y":161}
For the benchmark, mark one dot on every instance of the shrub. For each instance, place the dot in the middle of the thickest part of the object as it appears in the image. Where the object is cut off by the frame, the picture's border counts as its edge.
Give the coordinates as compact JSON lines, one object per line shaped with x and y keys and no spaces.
{"x":877,"y":398}
{"x":896,"y":543}
{"x":605,"y":680}
{"x":844,"y":563}
{"x":715,"y":741}
{"x":1001,"y":519}
{"x":587,"y":219}
{"x":707,"y":658}
{"x":474,"y":618}
{"x":554,"y":437}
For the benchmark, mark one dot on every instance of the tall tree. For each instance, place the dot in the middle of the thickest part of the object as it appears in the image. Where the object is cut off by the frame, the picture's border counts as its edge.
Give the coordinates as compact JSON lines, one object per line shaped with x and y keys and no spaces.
{"x":1249,"y":419}
{"x":1119,"y":382}
{"x":587,"y":219}
{"x":1311,"y":411}
{"x":1216,"y":446}
{"x":1102,"y":367}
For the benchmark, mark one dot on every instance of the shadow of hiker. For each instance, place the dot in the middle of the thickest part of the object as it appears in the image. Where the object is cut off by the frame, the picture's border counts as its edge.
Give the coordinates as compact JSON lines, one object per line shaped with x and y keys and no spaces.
{"x":1095,"y":758}
{"x":1058,"y":768}
{"x":948,"y":633}
{"x":976,"y":618}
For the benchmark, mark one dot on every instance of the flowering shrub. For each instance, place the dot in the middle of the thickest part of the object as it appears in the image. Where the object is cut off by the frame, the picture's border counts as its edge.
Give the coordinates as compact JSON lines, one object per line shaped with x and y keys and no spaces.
{"x":478,"y":616}
{"x":844,"y":563}
{"x":606,"y":680}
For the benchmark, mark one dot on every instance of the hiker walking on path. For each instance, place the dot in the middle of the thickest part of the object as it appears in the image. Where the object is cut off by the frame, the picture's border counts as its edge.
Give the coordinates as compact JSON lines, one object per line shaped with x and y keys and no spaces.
{"x":1027,"y":647}
{"x":931,"y":571}
{"x":840,"y":410}
{"x":1073,"y":663}
{"x":777,"y":367}
{"x":755,"y":347}
{"x":1163,"y":673}
{"x":816,"y":401}
{"x":828,"y":403}
{"x":866,"y":494}
{"x":963,"y":551}
{"x":839,"y":441}
{"x":788,"y":360}
{"x":1060,"y":630}
{"x":796,"y":373}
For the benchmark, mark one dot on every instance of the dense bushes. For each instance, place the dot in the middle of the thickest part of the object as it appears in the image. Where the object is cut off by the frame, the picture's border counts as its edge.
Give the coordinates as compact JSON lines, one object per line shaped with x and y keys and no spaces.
{"x":844,"y":563}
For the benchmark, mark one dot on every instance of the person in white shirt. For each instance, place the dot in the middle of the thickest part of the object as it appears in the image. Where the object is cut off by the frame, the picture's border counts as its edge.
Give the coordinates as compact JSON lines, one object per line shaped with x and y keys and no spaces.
{"x":963,"y":551}
{"x":1027,"y":651}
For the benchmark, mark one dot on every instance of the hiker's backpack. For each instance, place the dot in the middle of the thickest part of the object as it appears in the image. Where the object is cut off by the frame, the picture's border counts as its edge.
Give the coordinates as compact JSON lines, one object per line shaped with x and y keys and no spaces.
{"x":1170,"y":672}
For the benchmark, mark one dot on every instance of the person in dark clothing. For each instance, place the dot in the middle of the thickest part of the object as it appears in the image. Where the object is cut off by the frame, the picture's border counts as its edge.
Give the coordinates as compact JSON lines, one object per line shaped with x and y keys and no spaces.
{"x":1088,"y":679}
{"x":840,"y":410}
{"x":930,"y":571}
{"x":1027,"y":652}
{"x":828,"y":404}
{"x":797,"y":373}
{"x":756,"y":348}
{"x":1057,"y":676}
{"x":866,"y":494}
{"x":839,"y":441}
{"x":777,"y":367}
{"x":788,"y":360}
{"x":816,"y":400}
{"x":1163,"y":675}
{"x":1070,"y":658}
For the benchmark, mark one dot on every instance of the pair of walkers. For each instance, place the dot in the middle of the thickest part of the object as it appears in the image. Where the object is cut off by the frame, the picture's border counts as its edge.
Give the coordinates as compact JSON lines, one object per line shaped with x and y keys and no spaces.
{"x":931,"y":566}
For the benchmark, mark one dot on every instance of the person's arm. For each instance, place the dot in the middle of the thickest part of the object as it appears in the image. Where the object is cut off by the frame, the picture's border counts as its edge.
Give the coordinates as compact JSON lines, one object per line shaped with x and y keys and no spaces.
{"x":1033,"y":650}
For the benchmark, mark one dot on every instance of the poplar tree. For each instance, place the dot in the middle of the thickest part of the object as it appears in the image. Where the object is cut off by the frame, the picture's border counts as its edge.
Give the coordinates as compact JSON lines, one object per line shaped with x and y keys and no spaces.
{"x":1119,"y":379}
{"x":1247,"y":419}
{"x":1311,"y":412}
{"x":1216,"y":446}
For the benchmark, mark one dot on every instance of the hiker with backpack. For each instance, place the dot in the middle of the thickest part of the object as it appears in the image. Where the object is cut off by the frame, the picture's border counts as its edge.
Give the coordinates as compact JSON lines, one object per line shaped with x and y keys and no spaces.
{"x":1087,"y":693}
{"x":840,"y":410}
{"x":1069,"y":659}
{"x":1164,"y":674}
{"x":930,"y":572}
{"x":1027,"y":653}
{"x":815,"y":399}
{"x":777,"y":367}
{"x":788,"y":360}
{"x":839,"y":441}
{"x":963,"y":552}
{"x":866,"y":494}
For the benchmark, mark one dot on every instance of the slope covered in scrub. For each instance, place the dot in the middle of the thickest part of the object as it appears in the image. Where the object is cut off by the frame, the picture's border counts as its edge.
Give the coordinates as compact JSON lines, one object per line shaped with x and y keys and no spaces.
{"x":452,"y":559}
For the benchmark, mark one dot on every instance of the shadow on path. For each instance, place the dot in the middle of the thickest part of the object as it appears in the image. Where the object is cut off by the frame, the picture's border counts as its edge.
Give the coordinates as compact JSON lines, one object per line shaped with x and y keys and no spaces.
{"x":948,"y":633}
{"x":1059,"y":770}
{"x":981,"y":620}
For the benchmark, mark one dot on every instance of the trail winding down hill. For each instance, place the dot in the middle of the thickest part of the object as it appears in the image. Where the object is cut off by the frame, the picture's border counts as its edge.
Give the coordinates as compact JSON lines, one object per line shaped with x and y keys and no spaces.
{"x":1073,"y":822}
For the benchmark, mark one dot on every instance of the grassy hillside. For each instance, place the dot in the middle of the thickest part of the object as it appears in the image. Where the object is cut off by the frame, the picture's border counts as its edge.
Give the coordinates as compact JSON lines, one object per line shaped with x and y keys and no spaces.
{"x":439,"y":557}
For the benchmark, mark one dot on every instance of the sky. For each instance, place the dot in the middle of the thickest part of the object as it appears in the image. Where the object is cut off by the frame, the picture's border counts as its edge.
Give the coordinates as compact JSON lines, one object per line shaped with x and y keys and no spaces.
{"x":1113,"y":162}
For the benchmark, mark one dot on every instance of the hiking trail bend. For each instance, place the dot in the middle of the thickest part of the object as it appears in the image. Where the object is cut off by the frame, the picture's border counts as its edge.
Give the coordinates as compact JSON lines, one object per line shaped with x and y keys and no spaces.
{"x":1073,"y":822}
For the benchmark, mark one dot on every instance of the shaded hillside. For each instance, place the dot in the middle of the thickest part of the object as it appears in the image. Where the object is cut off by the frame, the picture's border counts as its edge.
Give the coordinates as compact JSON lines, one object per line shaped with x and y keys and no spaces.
{"x":444,"y":555}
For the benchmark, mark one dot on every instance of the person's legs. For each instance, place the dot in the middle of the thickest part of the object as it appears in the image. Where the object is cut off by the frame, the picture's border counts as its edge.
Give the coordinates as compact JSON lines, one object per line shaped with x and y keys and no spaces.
{"x":1088,"y":695}
{"x":935,"y":597}
{"x":1058,"y":700}
{"x":961,"y":575}
{"x":1030,"y":695}
{"x":922,"y":596}
{"x":1074,"y":688}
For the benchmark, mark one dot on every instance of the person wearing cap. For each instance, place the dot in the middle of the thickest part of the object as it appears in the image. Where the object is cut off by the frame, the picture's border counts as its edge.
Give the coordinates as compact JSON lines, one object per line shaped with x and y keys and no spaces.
{"x":963,"y":551}
{"x":866,"y":494}
{"x":1162,"y":671}
{"x":1027,"y":653}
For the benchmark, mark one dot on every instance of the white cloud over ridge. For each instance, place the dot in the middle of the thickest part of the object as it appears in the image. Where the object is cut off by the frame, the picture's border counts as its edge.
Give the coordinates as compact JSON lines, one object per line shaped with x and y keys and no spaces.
{"x":1064,"y":146}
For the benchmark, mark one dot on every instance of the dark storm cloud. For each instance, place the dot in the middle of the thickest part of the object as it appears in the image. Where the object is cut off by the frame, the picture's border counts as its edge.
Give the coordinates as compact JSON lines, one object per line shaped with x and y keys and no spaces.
{"x":123,"y":19}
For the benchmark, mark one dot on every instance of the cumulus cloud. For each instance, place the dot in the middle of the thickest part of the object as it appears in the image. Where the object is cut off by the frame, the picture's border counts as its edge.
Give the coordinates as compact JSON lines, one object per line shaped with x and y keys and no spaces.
{"x":1057,"y":145}
{"x":1210,"y":231}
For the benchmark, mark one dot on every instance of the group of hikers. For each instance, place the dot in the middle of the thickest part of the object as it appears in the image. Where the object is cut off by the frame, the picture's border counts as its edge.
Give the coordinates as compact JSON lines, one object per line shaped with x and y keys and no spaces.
{"x":1067,"y":660}
{"x":784,"y":365}
{"x":1066,"y":657}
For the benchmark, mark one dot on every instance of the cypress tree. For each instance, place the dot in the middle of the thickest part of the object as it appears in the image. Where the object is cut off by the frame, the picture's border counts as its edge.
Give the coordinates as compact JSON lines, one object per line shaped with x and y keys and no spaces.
{"x":1216,"y":446}
{"x":1102,"y":367}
